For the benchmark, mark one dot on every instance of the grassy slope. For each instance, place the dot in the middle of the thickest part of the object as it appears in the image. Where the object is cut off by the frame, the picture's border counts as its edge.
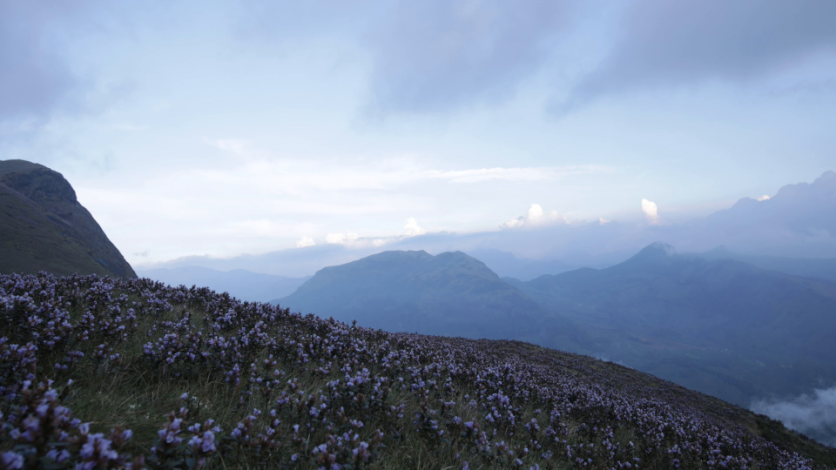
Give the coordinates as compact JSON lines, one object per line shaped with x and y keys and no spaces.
{"x":30,"y":242}
{"x":135,"y":391}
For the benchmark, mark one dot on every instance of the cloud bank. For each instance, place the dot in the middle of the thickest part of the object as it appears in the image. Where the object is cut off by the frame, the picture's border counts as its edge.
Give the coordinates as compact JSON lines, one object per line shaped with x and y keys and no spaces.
{"x":811,"y":414}
{"x":437,"y":55}
{"x":35,"y":78}
{"x":671,"y":44}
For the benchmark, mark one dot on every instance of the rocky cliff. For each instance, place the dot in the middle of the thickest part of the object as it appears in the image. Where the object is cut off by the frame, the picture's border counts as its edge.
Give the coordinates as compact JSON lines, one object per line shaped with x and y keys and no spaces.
{"x":43,"y":227}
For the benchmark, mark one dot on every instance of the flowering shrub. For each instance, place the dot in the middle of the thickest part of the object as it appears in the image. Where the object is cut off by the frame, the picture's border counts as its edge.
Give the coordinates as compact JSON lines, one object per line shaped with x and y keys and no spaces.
{"x":254,"y":385}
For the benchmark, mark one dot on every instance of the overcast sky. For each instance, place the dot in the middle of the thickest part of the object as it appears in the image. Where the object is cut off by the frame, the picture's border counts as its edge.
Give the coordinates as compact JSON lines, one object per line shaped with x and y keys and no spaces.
{"x":193,"y":127}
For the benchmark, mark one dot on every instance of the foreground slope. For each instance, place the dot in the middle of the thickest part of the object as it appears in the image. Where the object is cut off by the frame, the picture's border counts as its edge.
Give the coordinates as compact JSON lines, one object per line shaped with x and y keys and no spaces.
{"x":252,"y":385}
{"x":718,"y":325}
{"x":44,"y":228}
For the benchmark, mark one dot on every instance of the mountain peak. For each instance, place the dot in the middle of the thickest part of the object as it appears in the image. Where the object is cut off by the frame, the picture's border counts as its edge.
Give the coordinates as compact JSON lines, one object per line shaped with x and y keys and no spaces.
{"x":827,"y":179}
{"x":37,"y":182}
{"x":656,"y":250}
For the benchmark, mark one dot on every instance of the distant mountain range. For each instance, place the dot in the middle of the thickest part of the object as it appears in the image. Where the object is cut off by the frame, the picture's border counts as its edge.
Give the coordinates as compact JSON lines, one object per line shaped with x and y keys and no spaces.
{"x":720,"y":326}
{"x":822,"y":268}
{"x":796,"y":222}
{"x":506,"y":264}
{"x":241,"y":284}
{"x":44,"y":228}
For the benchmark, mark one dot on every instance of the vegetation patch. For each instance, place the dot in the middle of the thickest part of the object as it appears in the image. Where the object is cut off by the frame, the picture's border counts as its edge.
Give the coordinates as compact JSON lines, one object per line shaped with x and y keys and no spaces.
{"x":114,"y":373}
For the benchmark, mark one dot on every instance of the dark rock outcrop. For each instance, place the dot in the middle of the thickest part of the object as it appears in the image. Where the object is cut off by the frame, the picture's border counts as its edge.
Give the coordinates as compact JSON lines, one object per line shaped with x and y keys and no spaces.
{"x":44,"y":228}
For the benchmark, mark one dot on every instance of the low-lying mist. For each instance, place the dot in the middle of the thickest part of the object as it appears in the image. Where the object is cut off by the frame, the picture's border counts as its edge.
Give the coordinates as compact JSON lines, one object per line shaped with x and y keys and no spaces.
{"x":811,"y":414}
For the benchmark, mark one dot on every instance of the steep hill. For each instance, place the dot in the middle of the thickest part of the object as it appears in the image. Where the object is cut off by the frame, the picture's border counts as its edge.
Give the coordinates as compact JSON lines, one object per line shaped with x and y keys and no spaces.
{"x":451,"y":294}
{"x":44,"y":228}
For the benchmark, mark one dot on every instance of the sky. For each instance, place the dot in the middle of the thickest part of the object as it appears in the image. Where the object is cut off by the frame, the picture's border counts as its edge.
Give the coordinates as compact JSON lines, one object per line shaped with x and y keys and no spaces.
{"x":229,"y":127}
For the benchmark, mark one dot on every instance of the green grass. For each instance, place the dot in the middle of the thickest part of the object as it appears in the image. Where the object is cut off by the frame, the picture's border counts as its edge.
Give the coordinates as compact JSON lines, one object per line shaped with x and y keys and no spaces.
{"x":137,"y":393}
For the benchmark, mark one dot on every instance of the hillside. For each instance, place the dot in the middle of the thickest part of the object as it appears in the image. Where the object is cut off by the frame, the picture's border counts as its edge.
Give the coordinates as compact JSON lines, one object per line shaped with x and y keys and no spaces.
{"x":239,"y":283}
{"x":168,"y":377}
{"x":719,"y":325}
{"x":505,"y":264}
{"x":822,"y":268}
{"x":44,"y":228}
{"x":413,"y":291}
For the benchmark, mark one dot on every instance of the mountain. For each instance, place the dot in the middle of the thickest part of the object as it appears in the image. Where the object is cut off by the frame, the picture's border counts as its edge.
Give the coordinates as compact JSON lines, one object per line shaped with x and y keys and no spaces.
{"x":506,"y":264}
{"x":799,"y":208}
{"x":720,"y":326}
{"x":293,"y":262}
{"x":241,"y":284}
{"x":822,"y":268}
{"x":451,"y":294}
{"x":798,"y":221}
{"x":44,"y":228}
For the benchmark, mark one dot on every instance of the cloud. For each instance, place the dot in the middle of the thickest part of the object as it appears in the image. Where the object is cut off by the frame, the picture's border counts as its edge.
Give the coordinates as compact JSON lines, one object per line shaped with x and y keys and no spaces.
{"x":305,"y":241}
{"x":671,"y":44}
{"x":812,"y":414}
{"x":535,"y":212}
{"x":341,"y":238}
{"x":478,"y":175}
{"x":234,"y":146}
{"x":533,"y":217}
{"x":412,"y":229}
{"x":39,"y":78}
{"x":35,"y":78}
{"x":763,"y":198}
{"x":651,"y":211}
{"x":438,"y":55}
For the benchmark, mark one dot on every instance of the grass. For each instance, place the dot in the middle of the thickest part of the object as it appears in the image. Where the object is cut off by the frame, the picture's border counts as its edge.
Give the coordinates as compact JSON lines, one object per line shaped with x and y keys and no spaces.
{"x":412,"y":404}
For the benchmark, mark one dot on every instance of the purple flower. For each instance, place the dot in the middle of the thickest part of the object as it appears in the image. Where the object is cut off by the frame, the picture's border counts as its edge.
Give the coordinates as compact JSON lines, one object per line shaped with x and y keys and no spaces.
{"x":12,"y":460}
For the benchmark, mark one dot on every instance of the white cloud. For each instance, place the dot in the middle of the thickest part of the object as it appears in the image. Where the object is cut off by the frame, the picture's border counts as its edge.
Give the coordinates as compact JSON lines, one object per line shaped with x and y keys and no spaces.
{"x":235,"y":146}
{"x":305,"y":241}
{"x":128,"y":127}
{"x":412,"y":228}
{"x":257,"y":228}
{"x":812,"y":414}
{"x":341,"y":238}
{"x":534,"y":216}
{"x":651,"y":211}
{"x":258,"y":203}
{"x":514,"y":223}
{"x":763,"y":198}
{"x":534,"y":212}
{"x":478,"y":175}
